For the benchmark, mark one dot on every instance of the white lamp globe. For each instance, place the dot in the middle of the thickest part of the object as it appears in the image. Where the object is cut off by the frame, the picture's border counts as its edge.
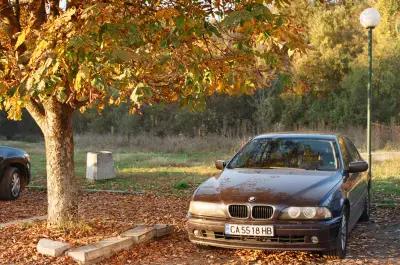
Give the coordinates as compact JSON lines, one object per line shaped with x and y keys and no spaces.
{"x":370,"y":18}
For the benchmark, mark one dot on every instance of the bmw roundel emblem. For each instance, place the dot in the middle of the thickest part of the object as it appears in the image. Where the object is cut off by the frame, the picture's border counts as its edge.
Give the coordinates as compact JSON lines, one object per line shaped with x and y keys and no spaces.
{"x":252,"y":199}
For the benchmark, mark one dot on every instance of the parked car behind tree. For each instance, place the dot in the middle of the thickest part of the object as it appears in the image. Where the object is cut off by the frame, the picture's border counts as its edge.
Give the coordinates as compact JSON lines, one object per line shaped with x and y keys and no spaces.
{"x":14,"y":172}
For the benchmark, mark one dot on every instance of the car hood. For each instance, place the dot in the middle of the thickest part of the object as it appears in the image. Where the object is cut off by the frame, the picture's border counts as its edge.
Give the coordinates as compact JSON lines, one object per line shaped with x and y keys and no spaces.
{"x":269,"y":186}
{"x":9,"y":152}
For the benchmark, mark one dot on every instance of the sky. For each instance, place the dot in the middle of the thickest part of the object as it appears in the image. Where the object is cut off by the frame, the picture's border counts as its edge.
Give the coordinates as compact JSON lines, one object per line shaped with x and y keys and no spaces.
{"x":63,"y":4}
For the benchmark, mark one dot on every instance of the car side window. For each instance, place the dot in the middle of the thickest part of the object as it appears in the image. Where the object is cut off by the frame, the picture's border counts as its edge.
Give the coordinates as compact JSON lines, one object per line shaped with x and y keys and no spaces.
{"x":345,"y":153}
{"x":355,"y":156}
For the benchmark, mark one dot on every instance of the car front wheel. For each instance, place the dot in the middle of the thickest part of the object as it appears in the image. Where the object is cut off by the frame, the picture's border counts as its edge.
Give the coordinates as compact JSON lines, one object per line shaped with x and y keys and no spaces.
{"x":339,"y":252}
{"x":10,"y":185}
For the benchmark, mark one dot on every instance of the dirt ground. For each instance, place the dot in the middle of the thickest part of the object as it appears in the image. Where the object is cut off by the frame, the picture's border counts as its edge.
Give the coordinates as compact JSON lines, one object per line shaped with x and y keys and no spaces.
{"x":104,"y":214}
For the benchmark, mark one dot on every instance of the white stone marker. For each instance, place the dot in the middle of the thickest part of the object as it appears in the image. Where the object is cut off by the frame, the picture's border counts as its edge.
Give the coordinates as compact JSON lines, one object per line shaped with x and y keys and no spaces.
{"x":100,"y":165}
{"x":52,"y":248}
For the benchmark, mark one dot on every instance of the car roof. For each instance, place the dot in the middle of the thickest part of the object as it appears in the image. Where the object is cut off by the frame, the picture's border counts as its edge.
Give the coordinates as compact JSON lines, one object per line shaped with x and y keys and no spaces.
{"x":321,"y":136}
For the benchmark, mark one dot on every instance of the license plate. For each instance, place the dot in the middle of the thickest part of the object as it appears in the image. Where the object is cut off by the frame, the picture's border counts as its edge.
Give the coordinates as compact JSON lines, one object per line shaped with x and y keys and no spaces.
{"x":249,"y":230}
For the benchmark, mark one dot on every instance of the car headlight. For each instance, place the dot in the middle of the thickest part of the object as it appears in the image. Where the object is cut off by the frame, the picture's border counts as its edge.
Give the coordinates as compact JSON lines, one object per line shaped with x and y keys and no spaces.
{"x":207,"y":209}
{"x":306,"y":213}
{"x":27,"y":157}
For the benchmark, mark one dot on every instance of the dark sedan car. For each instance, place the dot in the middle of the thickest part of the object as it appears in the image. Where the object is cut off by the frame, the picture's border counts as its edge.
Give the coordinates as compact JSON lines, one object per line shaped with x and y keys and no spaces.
{"x":14,"y":172}
{"x":284,"y":192}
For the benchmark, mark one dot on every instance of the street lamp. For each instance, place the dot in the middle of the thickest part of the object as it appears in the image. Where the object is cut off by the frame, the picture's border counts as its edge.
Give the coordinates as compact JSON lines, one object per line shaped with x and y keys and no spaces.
{"x":369,"y":19}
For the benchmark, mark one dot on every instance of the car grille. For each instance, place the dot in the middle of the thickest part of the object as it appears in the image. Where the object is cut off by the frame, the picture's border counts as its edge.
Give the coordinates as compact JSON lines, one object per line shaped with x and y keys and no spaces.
{"x":257,"y":212}
{"x":262,"y":212}
{"x":238,"y":211}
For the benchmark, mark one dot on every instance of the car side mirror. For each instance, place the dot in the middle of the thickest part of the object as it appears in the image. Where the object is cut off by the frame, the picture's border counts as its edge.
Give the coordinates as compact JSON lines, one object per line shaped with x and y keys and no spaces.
{"x":358,"y":166}
{"x":220,"y":164}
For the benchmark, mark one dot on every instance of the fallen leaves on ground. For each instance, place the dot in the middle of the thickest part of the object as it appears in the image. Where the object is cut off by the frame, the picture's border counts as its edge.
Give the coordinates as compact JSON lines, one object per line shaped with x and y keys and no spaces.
{"x":106,"y":214}
{"x":28,"y":205}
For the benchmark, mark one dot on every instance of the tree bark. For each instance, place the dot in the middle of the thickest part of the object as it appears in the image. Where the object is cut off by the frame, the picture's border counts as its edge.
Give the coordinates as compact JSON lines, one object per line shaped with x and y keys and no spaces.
{"x":62,"y":186}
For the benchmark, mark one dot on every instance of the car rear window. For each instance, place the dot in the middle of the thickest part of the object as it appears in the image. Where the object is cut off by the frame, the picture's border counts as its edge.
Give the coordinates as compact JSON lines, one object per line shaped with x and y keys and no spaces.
{"x":309,"y":154}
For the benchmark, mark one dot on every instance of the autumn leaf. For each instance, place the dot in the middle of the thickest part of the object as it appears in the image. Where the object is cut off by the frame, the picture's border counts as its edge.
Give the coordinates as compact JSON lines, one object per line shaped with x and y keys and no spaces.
{"x":21,"y":38}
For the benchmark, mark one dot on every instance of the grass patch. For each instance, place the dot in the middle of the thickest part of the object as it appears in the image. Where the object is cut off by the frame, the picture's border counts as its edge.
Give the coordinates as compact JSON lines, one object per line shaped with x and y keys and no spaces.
{"x":389,"y":186}
{"x":386,"y":179}
{"x":163,"y":173}
{"x":182,"y":185}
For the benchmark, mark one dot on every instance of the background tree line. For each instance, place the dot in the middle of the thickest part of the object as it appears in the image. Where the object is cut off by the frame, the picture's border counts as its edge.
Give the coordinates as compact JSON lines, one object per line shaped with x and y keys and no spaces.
{"x":325,"y":88}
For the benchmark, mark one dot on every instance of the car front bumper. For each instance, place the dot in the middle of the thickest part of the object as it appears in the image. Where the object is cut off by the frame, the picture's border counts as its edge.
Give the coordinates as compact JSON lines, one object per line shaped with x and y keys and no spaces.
{"x":287,"y":235}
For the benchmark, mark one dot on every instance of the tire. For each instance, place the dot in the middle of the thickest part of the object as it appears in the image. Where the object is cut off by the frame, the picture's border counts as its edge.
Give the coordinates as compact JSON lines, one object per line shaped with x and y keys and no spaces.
{"x":367,"y":209}
{"x":339,"y":252}
{"x":11,"y":184}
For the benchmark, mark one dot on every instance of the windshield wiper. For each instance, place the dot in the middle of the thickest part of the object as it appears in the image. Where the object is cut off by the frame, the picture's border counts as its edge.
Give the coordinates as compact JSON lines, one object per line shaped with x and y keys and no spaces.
{"x":319,"y":169}
{"x":286,"y":168}
{"x":269,"y":168}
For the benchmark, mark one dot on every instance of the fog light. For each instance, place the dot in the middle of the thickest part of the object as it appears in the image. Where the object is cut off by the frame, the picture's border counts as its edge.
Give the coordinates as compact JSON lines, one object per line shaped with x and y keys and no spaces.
{"x":196,"y":232}
{"x":314,"y":239}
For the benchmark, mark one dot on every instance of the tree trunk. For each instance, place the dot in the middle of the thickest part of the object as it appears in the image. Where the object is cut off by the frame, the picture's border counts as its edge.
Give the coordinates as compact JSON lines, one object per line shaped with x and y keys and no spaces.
{"x":62,"y":186}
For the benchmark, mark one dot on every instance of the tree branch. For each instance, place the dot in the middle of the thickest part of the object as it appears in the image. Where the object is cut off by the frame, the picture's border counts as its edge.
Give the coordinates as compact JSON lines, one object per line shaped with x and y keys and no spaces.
{"x":40,"y":13}
{"x":37,"y":112}
{"x":54,"y":7}
{"x":17,"y":10}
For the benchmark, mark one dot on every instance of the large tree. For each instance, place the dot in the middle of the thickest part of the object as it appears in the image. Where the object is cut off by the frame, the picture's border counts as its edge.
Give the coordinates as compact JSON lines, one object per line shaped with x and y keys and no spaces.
{"x":55,"y":61}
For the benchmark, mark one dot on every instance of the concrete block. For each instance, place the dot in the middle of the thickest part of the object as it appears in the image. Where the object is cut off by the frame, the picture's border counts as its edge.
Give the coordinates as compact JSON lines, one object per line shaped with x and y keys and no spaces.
{"x":100,"y":165}
{"x":52,"y":248}
{"x":140,"y":234}
{"x":162,"y":230}
{"x":96,"y":252}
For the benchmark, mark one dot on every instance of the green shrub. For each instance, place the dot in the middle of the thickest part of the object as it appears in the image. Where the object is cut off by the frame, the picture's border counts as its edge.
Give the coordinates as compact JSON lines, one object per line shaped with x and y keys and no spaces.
{"x":182,"y":185}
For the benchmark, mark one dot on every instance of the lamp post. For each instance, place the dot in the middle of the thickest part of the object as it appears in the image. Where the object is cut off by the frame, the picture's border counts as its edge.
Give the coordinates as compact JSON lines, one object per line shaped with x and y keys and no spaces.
{"x":369,"y":19}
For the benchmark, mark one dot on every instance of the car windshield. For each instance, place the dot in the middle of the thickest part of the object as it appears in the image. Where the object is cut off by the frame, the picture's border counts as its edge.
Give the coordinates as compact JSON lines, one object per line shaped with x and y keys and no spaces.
{"x":308,"y":154}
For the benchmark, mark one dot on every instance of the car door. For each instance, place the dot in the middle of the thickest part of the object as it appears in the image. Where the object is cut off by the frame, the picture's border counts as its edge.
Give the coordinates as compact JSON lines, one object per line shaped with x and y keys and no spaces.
{"x":353,"y":182}
{"x":362,"y":177}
